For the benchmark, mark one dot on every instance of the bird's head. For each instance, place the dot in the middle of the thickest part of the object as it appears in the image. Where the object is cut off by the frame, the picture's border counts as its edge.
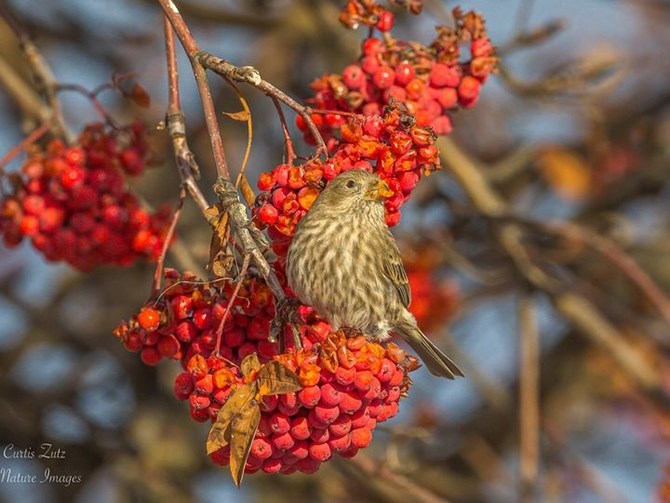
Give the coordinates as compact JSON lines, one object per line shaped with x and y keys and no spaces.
{"x":354,"y":190}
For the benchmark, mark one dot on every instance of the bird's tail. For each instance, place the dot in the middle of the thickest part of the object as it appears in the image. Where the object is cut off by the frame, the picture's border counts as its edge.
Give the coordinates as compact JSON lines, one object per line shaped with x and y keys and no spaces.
{"x":435,"y":360}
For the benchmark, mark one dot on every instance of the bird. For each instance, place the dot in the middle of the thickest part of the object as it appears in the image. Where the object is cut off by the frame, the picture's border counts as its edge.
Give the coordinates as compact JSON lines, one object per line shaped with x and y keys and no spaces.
{"x":344,"y":262}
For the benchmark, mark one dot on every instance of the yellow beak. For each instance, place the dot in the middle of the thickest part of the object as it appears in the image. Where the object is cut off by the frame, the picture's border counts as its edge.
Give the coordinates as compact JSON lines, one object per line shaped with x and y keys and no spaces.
{"x":380,"y":191}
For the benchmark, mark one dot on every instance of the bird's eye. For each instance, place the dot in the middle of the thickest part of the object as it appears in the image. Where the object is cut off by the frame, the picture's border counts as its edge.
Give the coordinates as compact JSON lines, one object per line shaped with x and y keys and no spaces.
{"x":351,"y":184}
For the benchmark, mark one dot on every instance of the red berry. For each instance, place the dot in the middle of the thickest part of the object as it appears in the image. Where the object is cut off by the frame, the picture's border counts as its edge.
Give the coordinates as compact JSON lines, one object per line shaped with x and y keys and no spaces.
{"x":266,"y":180}
{"x":370,"y":64}
{"x":308,"y":465}
{"x":353,"y":77}
{"x":199,"y":402}
{"x":373,"y":46}
{"x":183,"y":386}
{"x":468,"y":91}
{"x":396,"y":93}
{"x":340,"y":426}
{"x":339,"y":444}
{"x":168,"y":346}
{"x":383,"y":77}
{"x":404,"y":73}
{"x":447,"y":97}
{"x":261,"y":448}
{"x":441,"y":125}
{"x":361,"y":437}
{"x":150,"y":356}
{"x":29,"y":225}
{"x":442,"y":75}
{"x":300,"y":428}
{"x":300,"y":450}
{"x":360,"y":418}
{"x":283,"y":441}
{"x":400,"y":142}
{"x":205,"y":385}
{"x":325,"y":413}
{"x":33,"y":204}
{"x":386,"y":21}
{"x":408,"y":181}
{"x":182,"y":306}
{"x":72,"y":177}
{"x":331,"y":395}
{"x":309,"y":396}
{"x":320,"y":435}
{"x":279,"y":423}
{"x":415,"y":89}
{"x":272,"y":466}
{"x":350,"y":402}
{"x":320,"y":452}
{"x":149,"y":318}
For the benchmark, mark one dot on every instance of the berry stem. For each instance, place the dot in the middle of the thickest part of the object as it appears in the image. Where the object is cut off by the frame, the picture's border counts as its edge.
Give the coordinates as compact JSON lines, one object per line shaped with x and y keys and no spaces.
{"x":158,"y":273}
{"x":324,"y":111}
{"x":290,"y":153}
{"x":91,"y":96}
{"x":20,"y":147}
{"x":219,"y":331}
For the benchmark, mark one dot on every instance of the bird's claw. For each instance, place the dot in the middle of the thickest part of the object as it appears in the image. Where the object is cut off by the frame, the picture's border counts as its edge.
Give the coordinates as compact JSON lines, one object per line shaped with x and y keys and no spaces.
{"x":285,"y":313}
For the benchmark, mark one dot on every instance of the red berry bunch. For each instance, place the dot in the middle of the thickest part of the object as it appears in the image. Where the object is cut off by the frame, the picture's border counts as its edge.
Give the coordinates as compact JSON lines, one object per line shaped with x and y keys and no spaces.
{"x":431,"y":81}
{"x":73,"y":203}
{"x":433,"y":302}
{"x":392,"y":146}
{"x":184,"y":321}
{"x":349,"y":385}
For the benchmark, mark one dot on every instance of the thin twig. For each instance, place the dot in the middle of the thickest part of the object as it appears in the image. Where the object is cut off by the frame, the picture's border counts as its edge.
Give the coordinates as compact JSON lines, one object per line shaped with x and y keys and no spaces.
{"x":92,"y":97}
{"x":176,"y":126}
{"x":42,"y":74}
{"x":250,"y":75}
{"x":289,"y":154}
{"x":158,"y":273}
{"x":231,"y":301}
{"x":17,"y":149}
{"x":617,"y":256}
{"x":415,"y":492}
{"x":529,"y":397}
{"x":191,"y":47}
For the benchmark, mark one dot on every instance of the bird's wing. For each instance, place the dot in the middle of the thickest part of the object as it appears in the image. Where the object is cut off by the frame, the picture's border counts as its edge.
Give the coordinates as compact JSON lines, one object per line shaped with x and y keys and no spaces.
{"x":394,"y":270}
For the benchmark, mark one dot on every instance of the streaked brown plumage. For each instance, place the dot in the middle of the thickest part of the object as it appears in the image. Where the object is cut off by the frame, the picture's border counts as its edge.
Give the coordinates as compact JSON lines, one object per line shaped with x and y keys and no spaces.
{"x":344,"y":262}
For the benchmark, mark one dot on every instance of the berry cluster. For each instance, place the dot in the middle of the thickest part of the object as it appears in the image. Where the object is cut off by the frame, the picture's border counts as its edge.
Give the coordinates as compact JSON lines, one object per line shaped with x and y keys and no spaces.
{"x":184,"y":321}
{"x":74,"y":205}
{"x":349,"y":384}
{"x":391,"y":145}
{"x":433,"y":302}
{"x":431,"y":81}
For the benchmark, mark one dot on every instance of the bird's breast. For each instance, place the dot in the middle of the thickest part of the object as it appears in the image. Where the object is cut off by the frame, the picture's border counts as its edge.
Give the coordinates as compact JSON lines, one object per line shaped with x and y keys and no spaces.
{"x":335,"y":268}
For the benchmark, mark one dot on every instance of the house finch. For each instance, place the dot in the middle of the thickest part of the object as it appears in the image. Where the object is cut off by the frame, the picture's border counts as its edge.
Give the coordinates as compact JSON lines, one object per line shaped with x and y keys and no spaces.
{"x":344,"y":262}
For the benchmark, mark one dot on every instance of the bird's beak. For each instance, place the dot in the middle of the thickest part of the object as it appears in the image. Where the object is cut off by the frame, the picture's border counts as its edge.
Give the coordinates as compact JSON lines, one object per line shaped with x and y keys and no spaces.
{"x":380,"y":191}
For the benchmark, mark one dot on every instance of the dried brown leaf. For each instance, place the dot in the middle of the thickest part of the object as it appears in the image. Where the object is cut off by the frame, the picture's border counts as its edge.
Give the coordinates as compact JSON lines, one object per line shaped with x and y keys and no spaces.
{"x":277,"y":379}
{"x":243,"y":431}
{"x":250,"y":364}
{"x":138,"y":95}
{"x":221,"y":432}
{"x":242,"y":115}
